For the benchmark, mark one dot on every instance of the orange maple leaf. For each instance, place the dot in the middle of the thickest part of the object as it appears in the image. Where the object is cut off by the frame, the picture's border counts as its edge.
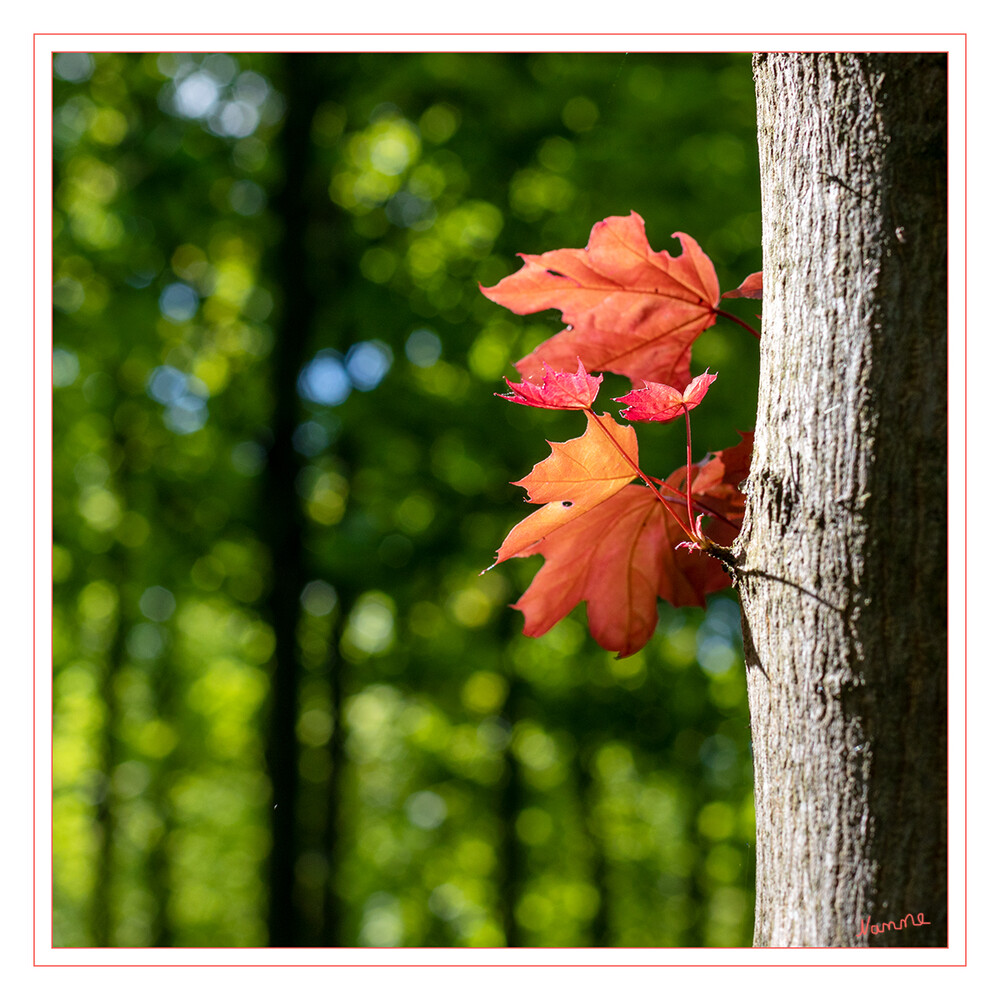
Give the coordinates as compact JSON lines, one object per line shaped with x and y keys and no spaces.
{"x":621,"y":554}
{"x":627,"y":309}
{"x":577,"y":476}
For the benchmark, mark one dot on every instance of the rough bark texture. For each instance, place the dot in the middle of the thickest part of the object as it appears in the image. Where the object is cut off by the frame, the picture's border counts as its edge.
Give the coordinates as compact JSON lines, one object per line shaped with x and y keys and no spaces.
{"x":844,"y":553}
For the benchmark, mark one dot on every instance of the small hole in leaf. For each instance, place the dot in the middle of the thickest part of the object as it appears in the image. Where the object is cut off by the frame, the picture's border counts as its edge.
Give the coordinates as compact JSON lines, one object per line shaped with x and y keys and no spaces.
{"x":567,"y":503}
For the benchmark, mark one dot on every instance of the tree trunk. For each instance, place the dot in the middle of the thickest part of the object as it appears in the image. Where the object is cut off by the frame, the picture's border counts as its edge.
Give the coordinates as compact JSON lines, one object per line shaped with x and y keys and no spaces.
{"x":281,"y":512}
{"x":842,"y":562}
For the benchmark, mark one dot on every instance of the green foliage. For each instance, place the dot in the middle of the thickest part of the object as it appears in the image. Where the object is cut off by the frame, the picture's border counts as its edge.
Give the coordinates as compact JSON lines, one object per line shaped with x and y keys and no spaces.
{"x":458,"y":783}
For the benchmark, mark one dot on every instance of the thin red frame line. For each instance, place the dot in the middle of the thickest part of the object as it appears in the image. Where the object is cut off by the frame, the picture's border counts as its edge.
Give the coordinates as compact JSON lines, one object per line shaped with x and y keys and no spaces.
{"x":965,"y":55}
{"x":34,"y":508}
{"x":965,"y":43}
{"x":528,"y":34}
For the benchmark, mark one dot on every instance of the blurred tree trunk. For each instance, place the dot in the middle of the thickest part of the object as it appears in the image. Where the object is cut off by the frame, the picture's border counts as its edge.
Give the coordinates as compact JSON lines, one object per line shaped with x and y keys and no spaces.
{"x":843,"y":557}
{"x":282,"y":518}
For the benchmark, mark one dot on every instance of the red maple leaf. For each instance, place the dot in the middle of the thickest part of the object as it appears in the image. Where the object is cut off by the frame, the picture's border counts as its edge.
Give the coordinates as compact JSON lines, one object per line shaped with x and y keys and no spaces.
{"x":752,"y":287}
{"x":621,"y":553}
{"x":663,"y":403}
{"x":627,"y":309}
{"x":722,"y":475}
{"x":557,"y":391}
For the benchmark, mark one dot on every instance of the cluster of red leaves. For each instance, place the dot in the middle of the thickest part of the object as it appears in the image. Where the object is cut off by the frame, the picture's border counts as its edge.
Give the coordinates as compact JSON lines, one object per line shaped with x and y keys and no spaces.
{"x":615,"y":545}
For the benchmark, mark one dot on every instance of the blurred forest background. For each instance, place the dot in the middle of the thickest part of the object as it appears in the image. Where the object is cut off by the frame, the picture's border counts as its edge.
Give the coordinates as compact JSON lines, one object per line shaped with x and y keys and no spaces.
{"x":288,"y":709}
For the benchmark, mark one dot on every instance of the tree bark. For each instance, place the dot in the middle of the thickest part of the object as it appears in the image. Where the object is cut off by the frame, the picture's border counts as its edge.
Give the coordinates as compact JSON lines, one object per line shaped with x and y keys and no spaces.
{"x":842,"y":562}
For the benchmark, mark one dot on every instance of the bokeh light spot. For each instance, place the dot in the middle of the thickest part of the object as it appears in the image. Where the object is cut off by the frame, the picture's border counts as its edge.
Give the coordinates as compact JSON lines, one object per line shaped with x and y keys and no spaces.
{"x":187,"y":415}
{"x":580,"y":114}
{"x":247,"y":198}
{"x":157,"y":603}
{"x":423,"y":348}
{"x":166,"y":384}
{"x":310,"y":438}
{"x":371,"y":625}
{"x":318,"y":598}
{"x":235,"y":118}
{"x":716,"y":820}
{"x":145,"y":641}
{"x":382,"y":925}
{"x":315,"y":727}
{"x":368,"y":363}
{"x":196,"y":95}
{"x":325,"y":380}
{"x":439,"y":122}
{"x":65,"y":368}
{"x":74,"y":67}
{"x":484,"y":692}
{"x":178,"y":302}
{"x":426,"y":810}
{"x":533,"y":826}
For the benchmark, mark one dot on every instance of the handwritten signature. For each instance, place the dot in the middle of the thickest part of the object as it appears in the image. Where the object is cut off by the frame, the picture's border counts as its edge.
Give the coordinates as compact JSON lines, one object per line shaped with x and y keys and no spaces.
{"x":867,"y":927}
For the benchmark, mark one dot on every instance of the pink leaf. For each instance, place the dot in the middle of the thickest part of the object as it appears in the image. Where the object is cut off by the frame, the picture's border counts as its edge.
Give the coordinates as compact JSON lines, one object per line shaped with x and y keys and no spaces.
{"x":663,"y":402}
{"x":558,"y":390}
